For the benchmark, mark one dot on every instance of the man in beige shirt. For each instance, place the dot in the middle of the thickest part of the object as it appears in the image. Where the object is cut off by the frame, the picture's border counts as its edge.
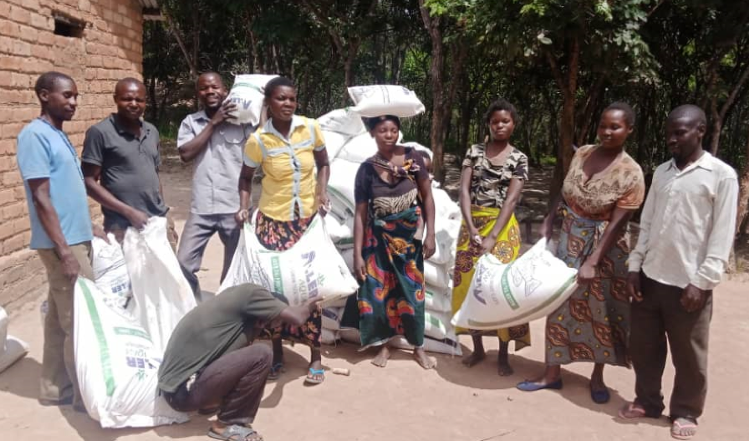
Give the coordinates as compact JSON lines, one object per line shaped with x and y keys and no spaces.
{"x":687,"y":231}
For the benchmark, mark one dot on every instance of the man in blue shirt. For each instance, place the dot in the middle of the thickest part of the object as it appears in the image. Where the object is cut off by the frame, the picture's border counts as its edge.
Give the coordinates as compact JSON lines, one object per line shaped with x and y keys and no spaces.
{"x":61,"y":229}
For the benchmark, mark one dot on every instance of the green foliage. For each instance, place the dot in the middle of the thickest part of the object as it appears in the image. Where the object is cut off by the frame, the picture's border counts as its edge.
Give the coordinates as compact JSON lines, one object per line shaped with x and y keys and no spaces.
{"x":651,"y":53}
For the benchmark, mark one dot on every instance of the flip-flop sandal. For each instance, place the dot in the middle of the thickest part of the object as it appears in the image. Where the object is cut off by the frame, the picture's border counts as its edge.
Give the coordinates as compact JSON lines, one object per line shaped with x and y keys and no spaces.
{"x":234,"y":433}
{"x":529,"y":386}
{"x":310,"y":379}
{"x":600,"y":396}
{"x":276,"y":370}
{"x":681,"y":424}
{"x":631,"y":411}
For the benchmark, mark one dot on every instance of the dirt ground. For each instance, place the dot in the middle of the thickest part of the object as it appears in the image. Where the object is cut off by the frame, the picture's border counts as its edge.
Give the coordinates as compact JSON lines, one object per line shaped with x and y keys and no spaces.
{"x":402,"y":401}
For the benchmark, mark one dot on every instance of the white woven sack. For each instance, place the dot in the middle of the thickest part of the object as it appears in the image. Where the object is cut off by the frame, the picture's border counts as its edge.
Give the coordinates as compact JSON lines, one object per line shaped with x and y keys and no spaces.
{"x":110,"y":270}
{"x":248,"y":93}
{"x":343,"y":121}
{"x":377,"y":100}
{"x":505,"y":295}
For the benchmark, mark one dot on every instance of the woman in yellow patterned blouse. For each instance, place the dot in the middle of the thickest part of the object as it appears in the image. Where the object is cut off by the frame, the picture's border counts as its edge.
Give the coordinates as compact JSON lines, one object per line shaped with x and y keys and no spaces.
{"x":289,"y":149}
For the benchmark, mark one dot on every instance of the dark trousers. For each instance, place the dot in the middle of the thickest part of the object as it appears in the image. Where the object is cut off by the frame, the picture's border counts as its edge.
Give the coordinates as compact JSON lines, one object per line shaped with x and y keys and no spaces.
{"x":658,"y":319}
{"x":234,"y":383}
{"x":195,"y":236}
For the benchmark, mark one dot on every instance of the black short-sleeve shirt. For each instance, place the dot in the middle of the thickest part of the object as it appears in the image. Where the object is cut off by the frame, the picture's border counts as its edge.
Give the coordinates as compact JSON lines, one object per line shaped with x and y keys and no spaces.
{"x":129,"y":167}
{"x":388,"y":198}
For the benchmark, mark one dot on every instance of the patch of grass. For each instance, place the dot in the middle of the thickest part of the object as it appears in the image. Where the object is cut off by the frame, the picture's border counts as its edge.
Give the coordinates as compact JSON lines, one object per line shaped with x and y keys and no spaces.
{"x":548,"y":160}
{"x":168,"y":130}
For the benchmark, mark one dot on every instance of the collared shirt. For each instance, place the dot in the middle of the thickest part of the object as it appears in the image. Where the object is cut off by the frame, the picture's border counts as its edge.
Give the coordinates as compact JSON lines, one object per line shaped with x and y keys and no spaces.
{"x":216,"y":170}
{"x":288,"y":165}
{"x":43,"y":151}
{"x":687,"y":224}
{"x":129,"y":167}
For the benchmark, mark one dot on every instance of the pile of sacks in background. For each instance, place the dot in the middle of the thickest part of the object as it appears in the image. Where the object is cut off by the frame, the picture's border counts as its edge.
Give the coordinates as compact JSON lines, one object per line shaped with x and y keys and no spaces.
{"x":349,"y":144}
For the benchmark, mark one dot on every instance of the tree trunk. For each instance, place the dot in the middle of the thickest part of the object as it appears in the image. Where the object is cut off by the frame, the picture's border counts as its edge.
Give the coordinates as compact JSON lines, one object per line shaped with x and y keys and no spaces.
{"x":437,"y":139}
{"x":568,"y":84}
{"x":717,"y":116}
{"x":742,"y":201}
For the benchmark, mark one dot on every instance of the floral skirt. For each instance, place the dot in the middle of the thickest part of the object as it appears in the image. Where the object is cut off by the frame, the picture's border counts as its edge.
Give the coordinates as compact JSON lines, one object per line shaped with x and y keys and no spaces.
{"x":280,"y":236}
{"x":468,"y":252}
{"x":594,"y":323}
{"x":391,"y":299}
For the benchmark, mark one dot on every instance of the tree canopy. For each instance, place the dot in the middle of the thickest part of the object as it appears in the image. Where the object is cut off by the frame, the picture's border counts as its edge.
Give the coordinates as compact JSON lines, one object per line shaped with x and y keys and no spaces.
{"x":559,"y":62}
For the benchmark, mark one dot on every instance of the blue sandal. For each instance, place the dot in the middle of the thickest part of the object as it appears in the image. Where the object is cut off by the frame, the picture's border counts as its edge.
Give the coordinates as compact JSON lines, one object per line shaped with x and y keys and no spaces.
{"x":310,"y":379}
{"x":276,"y":370}
{"x":530,"y":386}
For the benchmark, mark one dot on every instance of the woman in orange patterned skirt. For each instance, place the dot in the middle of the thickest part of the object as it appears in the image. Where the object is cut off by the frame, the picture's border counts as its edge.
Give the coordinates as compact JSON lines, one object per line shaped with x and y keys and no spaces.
{"x":601,"y":191}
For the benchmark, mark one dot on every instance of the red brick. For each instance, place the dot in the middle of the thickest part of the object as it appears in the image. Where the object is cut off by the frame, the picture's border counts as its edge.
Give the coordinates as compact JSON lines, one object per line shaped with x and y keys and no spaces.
{"x":28,"y":34}
{"x":11,"y":130}
{"x":21,"y":81}
{"x":6,"y":230}
{"x":32,"y":5}
{"x":84,"y":5}
{"x":13,"y":244}
{"x":42,"y":52}
{"x":7,"y":147}
{"x":11,"y":178}
{"x":20,"y":15}
{"x":19,"y":192}
{"x":9,"y":28}
{"x":21,"y":48}
{"x":7,"y":163}
{"x":6,"y":196}
{"x":46,"y":38}
{"x":41,"y":22}
{"x":13,"y":211}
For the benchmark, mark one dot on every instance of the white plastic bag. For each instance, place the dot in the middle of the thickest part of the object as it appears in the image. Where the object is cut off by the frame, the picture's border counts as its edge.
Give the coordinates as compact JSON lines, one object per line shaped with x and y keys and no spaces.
{"x":436,"y":275}
{"x":163,"y":295}
{"x":110,"y":271}
{"x":437,"y":299}
{"x":331,"y":318}
{"x":377,"y":100}
{"x":329,"y":337}
{"x":11,"y":348}
{"x":343,"y":175}
{"x":445,"y":346}
{"x":312,"y":267}
{"x":116,"y":364}
{"x":505,"y":295}
{"x":343,"y":121}
{"x":248,"y":93}
{"x":358,"y":150}
{"x":334,"y":143}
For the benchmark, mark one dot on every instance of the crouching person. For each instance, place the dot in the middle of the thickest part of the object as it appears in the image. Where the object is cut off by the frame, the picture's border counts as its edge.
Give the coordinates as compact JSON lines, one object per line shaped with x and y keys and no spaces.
{"x":211,"y":365}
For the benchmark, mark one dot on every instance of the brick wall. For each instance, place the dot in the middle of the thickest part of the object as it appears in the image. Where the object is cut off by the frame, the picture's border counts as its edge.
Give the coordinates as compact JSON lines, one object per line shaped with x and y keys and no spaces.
{"x":109,"y":49}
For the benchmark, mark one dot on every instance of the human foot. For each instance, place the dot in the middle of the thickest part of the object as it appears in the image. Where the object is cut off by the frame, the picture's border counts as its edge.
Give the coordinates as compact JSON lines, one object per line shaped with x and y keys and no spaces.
{"x":503,"y":366}
{"x":684,"y":428}
{"x":315,"y":373}
{"x":423,"y":360}
{"x":233,"y":432}
{"x":631,"y":411}
{"x":539,"y":384}
{"x":381,"y":359}
{"x":473,"y":359}
{"x":599,"y":391}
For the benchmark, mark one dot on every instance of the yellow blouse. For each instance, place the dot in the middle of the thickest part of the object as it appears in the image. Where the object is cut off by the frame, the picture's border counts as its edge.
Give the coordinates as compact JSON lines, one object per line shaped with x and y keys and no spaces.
{"x":289,"y":167}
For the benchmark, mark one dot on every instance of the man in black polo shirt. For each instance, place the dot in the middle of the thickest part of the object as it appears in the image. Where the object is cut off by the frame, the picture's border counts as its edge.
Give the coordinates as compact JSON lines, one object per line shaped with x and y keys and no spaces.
{"x":121,"y":164}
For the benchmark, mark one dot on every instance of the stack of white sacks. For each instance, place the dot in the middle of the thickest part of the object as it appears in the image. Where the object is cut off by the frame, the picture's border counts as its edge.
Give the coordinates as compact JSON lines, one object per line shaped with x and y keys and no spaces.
{"x":349,"y":144}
